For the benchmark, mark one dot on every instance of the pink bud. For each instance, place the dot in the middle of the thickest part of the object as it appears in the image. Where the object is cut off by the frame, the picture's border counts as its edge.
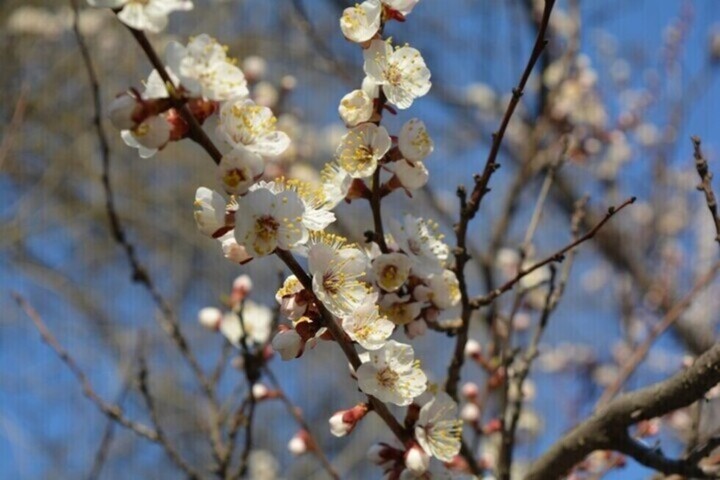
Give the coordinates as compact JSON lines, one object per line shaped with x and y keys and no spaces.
{"x":242,"y":285}
{"x":470,"y":390}
{"x":417,"y":328}
{"x":344,"y":421}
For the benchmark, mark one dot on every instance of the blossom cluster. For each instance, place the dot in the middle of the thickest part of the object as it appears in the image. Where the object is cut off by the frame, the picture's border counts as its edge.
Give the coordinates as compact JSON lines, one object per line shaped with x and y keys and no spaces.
{"x":401,"y":281}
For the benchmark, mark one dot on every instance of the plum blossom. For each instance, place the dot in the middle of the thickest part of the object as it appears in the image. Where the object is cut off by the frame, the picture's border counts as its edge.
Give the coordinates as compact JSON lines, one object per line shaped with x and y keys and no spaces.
{"x":210,"y":208}
{"x":266,"y":220}
{"x":409,"y":175}
{"x":438,"y":429}
{"x":243,"y":123}
{"x":148,"y":137}
{"x":442,"y":290}
{"x":239,"y":169}
{"x":148,"y":15}
{"x":367,"y":326}
{"x":336,"y":184}
{"x":361,"y":149}
{"x":255,"y":325}
{"x":401,"y":310}
{"x":391,"y":270}
{"x":400,"y":72}
{"x":392,"y":374}
{"x":402,"y":6}
{"x":232,"y":250}
{"x":361,"y":22}
{"x":337,"y":270}
{"x":420,"y":240}
{"x":204,"y":69}
{"x":356,"y":107}
{"x":414,"y":142}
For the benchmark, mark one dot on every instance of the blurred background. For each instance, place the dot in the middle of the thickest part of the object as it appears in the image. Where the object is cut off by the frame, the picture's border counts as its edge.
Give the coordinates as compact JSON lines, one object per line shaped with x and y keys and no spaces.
{"x":624,"y":83}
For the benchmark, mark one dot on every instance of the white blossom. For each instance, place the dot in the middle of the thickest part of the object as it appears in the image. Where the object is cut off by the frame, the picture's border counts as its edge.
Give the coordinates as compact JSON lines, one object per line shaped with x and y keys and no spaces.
{"x":401,"y":310}
{"x":361,"y":149}
{"x":414,"y":142}
{"x":210,"y":317}
{"x":420,"y":240}
{"x":402,"y":6}
{"x":337,"y":270}
{"x":401,"y":73}
{"x":149,"y":15}
{"x":356,"y":107}
{"x":336,"y":183}
{"x":391,"y":270}
{"x":239,"y":169}
{"x":243,"y":123}
{"x":442,"y":290}
{"x":287,"y":343}
{"x":392,"y":374}
{"x":361,"y":22}
{"x":255,"y":325}
{"x":410,"y":175}
{"x":438,"y":429}
{"x":367,"y":326}
{"x":205,"y":70}
{"x":148,"y":137}
{"x":210,"y":208}
{"x":266,"y":220}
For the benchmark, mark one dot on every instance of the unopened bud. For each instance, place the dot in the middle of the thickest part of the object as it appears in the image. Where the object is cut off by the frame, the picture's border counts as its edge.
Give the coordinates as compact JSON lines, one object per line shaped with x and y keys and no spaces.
{"x":470,"y":412}
{"x":473,"y":349}
{"x":416,"y":328}
{"x":381,"y":453}
{"x":288,"y":344}
{"x":210,"y":317}
{"x":416,"y":460}
{"x":299,"y":444}
{"x":470,"y":390}
{"x":260,"y":391}
{"x":344,"y":421}
{"x":122,"y":110}
{"x":241,"y":288}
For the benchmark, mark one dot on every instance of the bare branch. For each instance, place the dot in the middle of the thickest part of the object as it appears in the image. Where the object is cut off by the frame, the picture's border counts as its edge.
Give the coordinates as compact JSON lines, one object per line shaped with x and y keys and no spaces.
{"x":701,"y":164}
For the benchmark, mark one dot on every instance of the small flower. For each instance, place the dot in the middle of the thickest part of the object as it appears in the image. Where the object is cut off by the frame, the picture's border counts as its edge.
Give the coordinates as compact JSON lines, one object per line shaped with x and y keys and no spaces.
{"x":255,"y":324}
{"x":232,"y":250}
{"x":391,"y":270}
{"x":239,"y":169}
{"x":401,"y":73}
{"x":292,"y":303}
{"x":337,"y":270}
{"x":336,"y":184}
{"x":392,"y":374}
{"x":362,"y":148}
{"x":414,"y":142}
{"x":205,"y":70}
{"x":410,"y":176}
{"x":416,"y":328}
{"x":442,"y":290}
{"x":344,"y":421}
{"x":420,"y":240}
{"x":356,"y":107}
{"x":210,"y":318}
{"x":210,"y":208}
{"x":265,"y":221}
{"x":361,"y":22}
{"x":438,"y":429}
{"x":243,"y":123}
{"x":121,"y":111}
{"x":400,"y":310}
{"x":150,"y":15}
{"x":317,"y":215}
{"x":367,"y":326}
{"x":149,"y":137}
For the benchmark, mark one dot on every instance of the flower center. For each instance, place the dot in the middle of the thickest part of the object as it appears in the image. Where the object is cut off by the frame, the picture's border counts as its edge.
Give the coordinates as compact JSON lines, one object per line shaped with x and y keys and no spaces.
{"x":234,"y":177}
{"x":387,"y":377}
{"x":393,"y":75}
{"x":266,"y":228}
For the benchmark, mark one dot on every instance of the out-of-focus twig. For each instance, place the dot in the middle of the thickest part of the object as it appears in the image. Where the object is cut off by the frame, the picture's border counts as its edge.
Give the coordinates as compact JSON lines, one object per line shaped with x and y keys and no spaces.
{"x":701,"y":164}
{"x":112,"y":411}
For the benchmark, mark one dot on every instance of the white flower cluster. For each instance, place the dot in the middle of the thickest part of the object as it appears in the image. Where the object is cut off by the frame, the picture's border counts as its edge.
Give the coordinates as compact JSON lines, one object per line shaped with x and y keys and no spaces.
{"x":148,"y":15}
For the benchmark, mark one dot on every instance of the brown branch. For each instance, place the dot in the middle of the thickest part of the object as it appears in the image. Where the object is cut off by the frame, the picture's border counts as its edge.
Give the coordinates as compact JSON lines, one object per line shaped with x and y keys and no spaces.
{"x":555,"y":257}
{"x":170,"y":450}
{"x":112,"y":411}
{"x":640,"y":352}
{"x":195,"y":132}
{"x":469,"y":207}
{"x":140,"y":274}
{"x":607,"y":428}
{"x":701,"y":164}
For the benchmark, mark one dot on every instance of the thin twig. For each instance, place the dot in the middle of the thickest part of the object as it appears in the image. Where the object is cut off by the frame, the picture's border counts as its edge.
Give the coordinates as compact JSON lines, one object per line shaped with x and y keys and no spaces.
{"x":470,"y":206}
{"x":705,"y":186}
{"x":640,"y":352}
{"x":558,"y":256}
{"x":163,"y":440}
{"x":110,"y":410}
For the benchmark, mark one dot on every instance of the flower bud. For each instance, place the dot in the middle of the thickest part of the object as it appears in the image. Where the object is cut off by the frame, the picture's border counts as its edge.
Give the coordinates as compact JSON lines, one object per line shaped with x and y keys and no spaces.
{"x":298,"y":444}
{"x":260,"y":391}
{"x":232,"y":250}
{"x":122,"y":110}
{"x":210,"y":318}
{"x":473,"y":349}
{"x":416,"y":460}
{"x":381,"y":453}
{"x":470,"y":412}
{"x":344,"y":421}
{"x":470,"y":390}
{"x":288,"y":344}
{"x":417,"y":328}
{"x":153,"y":133}
{"x":242,"y":285}
{"x":254,"y":68}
